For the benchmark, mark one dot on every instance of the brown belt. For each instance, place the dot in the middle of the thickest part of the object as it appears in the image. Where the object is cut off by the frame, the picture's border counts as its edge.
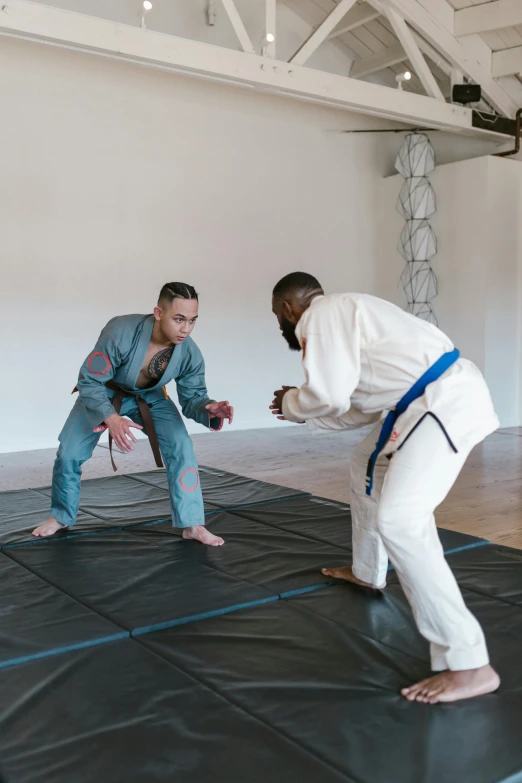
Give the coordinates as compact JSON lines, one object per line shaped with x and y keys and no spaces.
{"x":146,"y":416}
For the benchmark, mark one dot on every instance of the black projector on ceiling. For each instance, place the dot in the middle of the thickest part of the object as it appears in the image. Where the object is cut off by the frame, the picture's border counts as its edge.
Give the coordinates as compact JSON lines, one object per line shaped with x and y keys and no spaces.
{"x":466,"y":93}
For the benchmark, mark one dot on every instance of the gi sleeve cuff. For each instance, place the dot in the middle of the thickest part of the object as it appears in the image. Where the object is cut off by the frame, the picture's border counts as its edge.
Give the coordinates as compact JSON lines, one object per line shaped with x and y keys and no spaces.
{"x":291,"y":407}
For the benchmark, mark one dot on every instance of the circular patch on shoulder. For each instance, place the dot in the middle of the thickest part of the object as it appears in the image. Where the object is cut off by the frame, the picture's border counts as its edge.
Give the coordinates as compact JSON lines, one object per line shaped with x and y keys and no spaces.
{"x":98,"y":363}
{"x":189,"y":479}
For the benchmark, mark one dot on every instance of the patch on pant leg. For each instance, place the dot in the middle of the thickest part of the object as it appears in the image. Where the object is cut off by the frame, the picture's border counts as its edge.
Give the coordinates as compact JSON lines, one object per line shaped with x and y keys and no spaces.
{"x":189,"y":480}
{"x":98,"y":363}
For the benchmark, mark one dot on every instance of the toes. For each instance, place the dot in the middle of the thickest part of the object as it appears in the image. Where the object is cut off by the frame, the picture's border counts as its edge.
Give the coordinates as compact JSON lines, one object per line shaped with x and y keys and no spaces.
{"x":425,"y":692}
{"x":336,"y":573}
{"x":413,"y":691}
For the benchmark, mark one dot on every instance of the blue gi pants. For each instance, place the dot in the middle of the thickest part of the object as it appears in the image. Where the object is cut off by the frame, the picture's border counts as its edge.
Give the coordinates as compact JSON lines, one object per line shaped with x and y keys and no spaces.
{"x":77,"y":443}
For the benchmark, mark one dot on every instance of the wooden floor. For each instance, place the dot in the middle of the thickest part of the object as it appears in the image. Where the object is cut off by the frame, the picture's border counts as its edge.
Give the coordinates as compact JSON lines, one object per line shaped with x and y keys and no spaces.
{"x":486,"y":500}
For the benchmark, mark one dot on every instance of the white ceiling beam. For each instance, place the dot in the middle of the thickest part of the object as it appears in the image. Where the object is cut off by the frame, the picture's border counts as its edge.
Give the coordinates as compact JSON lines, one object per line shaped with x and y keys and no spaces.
{"x":506,"y":62}
{"x":359,"y":15}
{"x":322,"y":32}
{"x":377,"y":62}
{"x":456,"y":77}
{"x":270,"y":27}
{"x":425,"y":47}
{"x":429,"y":26}
{"x":396,"y":54}
{"x":420,"y":66}
{"x":239,"y":27}
{"x":514,"y":86}
{"x":488,"y":16}
{"x":430,"y":51}
{"x":72,"y":31}
{"x":442,"y":11}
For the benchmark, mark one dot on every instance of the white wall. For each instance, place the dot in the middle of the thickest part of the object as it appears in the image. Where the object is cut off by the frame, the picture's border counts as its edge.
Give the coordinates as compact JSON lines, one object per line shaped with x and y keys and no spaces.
{"x":116,"y":179}
{"x":478,"y":266}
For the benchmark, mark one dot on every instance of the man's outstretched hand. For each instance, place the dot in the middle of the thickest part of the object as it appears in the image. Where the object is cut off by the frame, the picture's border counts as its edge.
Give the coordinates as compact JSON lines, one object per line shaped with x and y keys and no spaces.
{"x":120,"y":429}
{"x":277,"y":402}
{"x":221,"y":410}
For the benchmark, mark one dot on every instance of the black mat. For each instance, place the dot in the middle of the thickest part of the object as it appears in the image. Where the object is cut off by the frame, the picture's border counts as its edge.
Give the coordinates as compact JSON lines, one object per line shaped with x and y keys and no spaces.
{"x":335,"y":692}
{"x":133,"y":583}
{"x":242,"y":662}
{"x":494,"y":571}
{"x":226,"y":490}
{"x":388,"y":618}
{"x":328,"y":521}
{"x":266,"y":556}
{"x":123,"y":500}
{"x":124,"y":714}
{"x":37,"y":619}
{"x":24,"y":509}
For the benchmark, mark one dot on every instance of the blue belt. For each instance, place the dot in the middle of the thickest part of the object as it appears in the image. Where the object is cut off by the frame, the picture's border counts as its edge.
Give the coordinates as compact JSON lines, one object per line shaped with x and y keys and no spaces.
{"x":417,"y":390}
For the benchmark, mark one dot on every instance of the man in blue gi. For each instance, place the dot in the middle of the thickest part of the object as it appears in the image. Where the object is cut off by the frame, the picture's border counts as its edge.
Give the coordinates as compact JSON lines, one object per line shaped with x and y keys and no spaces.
{"x":125,"y":376}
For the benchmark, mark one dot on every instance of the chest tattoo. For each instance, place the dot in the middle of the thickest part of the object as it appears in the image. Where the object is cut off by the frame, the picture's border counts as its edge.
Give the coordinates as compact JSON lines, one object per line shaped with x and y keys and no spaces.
{"x":158,"y":363}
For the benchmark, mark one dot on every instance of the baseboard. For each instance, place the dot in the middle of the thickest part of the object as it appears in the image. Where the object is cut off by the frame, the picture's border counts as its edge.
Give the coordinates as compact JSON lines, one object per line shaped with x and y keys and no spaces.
{"x":263,"y":422}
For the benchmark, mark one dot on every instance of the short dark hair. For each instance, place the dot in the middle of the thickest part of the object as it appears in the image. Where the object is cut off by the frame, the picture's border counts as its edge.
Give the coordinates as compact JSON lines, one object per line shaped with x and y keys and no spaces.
{"x":296,"y":282}
{"x":171,"y":291}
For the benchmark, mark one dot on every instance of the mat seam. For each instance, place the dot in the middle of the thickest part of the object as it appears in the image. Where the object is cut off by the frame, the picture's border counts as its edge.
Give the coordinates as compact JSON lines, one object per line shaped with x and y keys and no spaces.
{"x":64,"y":592}
{"x":11,"y":663}
{"x":359,"y":633}
{"x":298,"y":492}
{"x":229,"y":700}
{"x":242,"y":579}
{"x":80,"y":508}
{"x":151,"y":523}
{"x":278,"y":527}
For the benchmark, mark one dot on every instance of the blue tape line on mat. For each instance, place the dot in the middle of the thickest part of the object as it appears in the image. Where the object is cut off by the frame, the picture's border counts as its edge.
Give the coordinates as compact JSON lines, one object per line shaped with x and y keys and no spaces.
{"x":52,"y":540}
{"x":148,"y":524}
{"x":467,"y":546}
{"x":304,"y":590}
{"x":474,"y":545}
{"x":203,"y":616}
{"x":60,"y":650}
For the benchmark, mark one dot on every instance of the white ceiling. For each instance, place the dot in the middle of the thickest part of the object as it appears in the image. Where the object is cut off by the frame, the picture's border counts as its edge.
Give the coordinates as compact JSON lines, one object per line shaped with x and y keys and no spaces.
{"x":375,"y":37}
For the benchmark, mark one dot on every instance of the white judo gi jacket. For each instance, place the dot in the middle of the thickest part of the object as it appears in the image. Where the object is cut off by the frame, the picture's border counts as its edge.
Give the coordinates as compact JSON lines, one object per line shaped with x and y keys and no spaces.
{"x":361,"y":355}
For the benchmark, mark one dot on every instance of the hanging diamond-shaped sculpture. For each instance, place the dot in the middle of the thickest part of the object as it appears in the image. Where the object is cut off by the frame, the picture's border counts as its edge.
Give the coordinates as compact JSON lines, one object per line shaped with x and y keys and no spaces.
{"x":416,"y":156}
{"x":418,"y":283}
{"x":423,"y":311}
{"x":416,"y":199}
{"x":417,"y":241}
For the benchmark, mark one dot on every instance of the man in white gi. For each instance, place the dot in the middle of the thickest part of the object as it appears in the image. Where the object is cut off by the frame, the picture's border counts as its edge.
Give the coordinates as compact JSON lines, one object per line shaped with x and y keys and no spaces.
{"x":363,"y":356}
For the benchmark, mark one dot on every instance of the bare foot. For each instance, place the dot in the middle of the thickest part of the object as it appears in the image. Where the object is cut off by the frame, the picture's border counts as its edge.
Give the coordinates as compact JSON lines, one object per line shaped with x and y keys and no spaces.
{"x":452,"y":686}
{"x":48,"y":528}
{"x":347,"y":574}
{"x":201,"y":534}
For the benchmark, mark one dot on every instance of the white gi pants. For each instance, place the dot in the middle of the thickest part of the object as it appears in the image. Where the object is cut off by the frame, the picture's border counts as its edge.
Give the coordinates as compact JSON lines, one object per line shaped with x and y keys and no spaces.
{"x":397,"y":522}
